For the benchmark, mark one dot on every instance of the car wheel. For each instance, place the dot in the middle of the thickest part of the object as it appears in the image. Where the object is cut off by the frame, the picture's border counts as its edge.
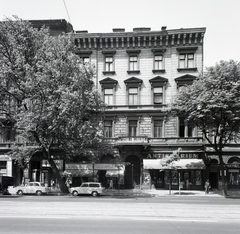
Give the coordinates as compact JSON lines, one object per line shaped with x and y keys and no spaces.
{"x":94,"y":193}
{"x":39,"y":193}
{"x":20,"y":192}
{"x":74,"y":193}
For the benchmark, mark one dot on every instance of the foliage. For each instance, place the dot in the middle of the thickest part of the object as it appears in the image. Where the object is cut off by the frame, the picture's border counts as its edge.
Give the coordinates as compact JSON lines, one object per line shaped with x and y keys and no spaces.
{"x":212,"y":103}
{"x":54,"y":103}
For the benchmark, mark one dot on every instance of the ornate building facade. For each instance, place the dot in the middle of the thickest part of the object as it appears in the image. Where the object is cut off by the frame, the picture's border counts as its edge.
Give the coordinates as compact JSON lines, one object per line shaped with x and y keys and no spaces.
{"x":138,"y":73}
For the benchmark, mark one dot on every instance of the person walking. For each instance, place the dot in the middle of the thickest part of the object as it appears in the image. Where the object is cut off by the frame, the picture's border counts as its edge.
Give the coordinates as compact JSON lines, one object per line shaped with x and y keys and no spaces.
{"x":207,"y":186}
{"x":111,"y":184}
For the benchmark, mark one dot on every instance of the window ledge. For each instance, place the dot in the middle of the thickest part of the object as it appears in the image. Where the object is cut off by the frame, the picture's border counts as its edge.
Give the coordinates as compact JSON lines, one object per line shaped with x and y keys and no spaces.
{"x":159,"y":71}
{"x":187,"y":69}
{"x":108,"y":72}
{"x":134,"y":72}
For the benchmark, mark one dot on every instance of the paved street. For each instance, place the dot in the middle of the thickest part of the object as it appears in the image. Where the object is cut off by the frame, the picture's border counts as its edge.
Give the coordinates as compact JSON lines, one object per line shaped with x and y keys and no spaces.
{"x":107,"y":214}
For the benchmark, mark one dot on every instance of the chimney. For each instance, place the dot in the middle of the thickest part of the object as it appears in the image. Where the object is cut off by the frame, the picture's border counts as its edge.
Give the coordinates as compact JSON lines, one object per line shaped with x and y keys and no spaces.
{"x":118,"y":29}
{"x":164,"y":28}
{"x":141,"y":29}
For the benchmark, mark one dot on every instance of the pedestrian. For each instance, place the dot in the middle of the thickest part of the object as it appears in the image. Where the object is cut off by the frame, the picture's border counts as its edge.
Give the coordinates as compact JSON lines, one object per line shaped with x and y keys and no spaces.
{"x":111,"y":184}
{"x":207,"y":186}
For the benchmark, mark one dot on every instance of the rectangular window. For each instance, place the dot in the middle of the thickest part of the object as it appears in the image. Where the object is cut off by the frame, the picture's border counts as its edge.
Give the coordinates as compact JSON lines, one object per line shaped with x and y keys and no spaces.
{"x":181,"y":127}
{"x":158,"y":95}
{"x":132,"y":128}
{"x":85,"y":60}
{"x":186,"y":60}
{"x":133,"y":96}
{"x":109,"y":64}
{"x":158,"y":62}
{"x":108,"y":96}
{"x":186,"y":128}
{"x":158,"y":128}
{"x":133,"y":63}
{"x":108,"y":128}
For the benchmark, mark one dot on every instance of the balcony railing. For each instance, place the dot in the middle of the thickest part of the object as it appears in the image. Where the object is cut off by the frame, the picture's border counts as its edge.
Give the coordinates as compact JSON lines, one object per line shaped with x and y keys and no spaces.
{"x":138,"y":140}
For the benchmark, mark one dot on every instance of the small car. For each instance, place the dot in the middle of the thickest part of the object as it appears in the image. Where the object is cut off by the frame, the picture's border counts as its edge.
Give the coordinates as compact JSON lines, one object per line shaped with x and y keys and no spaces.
{"x":37,"y":188}
{"x":93,"y":188}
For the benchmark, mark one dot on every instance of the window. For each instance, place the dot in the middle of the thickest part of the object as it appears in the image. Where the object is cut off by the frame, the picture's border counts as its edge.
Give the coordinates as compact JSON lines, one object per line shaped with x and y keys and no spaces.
{"x":133,"y":96}
{"x":108,"y":96}
{"x":158,"y":89}
{"x":186,"y":60}
{"x":158,"y":95}
{"x":186,"y":128}
{"x":158,"y":62}
{"x":133,"y":66}
{"x":133,"y":128}
{"x":133,"y":63}
{"x":108,"y":128}
{"x":109,"y":64}
{"x":85,"y":60}
{"x":158,"y":128}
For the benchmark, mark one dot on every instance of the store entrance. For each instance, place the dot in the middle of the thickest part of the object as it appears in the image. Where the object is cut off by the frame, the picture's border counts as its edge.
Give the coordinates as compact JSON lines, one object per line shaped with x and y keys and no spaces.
{"x":132,"y":173}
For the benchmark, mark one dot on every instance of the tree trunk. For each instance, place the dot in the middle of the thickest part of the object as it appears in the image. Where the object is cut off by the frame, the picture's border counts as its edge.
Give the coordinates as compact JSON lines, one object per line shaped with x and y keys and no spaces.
{"x":55,"y":171}
{"x":224,"y":189}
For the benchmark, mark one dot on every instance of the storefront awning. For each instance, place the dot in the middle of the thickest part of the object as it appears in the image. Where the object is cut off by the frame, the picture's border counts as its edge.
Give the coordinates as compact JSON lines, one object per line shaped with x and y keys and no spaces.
{"x":80,"y":173}
{"x":180,"y":164}
{"x":114,"y":173}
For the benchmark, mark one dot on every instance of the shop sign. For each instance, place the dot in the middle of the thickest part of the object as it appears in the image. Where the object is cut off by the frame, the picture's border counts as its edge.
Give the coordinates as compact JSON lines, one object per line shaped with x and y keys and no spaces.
{"x":229,"y":165}
{"x":100,"y":166}
{"x":182,"y":155}
{"x":59,"y":164}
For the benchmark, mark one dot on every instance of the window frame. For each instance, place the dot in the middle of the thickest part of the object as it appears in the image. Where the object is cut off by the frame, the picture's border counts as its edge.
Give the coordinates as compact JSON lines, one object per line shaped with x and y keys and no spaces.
{"x":108,"y":54}
{"x":133,"y":54}
{"x":161,"y":132}
{"x":109,"y":128}
{"x":186,"y":52}
{"x":184,"y":128}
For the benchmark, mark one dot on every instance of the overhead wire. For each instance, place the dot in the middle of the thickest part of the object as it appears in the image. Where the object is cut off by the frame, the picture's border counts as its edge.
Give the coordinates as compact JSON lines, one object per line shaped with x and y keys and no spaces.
{"x":67,"y":11}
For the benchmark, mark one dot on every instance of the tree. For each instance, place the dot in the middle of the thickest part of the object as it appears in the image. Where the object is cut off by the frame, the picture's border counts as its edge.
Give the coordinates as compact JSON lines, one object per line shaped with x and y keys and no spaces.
{"x":212,"y":103}
{"x":54,"y":102}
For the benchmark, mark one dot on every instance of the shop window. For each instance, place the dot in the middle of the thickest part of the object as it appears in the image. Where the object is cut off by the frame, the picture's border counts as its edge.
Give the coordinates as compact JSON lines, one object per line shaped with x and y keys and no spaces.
{"x":108,"y":128}
{"x":234,"y":177}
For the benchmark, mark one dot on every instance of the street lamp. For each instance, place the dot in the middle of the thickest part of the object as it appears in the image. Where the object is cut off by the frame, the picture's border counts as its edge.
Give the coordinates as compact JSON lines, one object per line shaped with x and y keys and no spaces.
{"x":93,"y":170}
{"x":132,"y":176}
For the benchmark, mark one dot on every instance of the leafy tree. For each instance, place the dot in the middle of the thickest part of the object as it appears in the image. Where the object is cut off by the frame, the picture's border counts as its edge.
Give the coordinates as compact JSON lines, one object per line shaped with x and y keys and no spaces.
{"x":212,"y":103}
{"x":54,"y":104}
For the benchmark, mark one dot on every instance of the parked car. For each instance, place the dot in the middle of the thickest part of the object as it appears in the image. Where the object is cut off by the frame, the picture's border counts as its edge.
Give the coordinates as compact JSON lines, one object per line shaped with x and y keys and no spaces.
{"x":37,"y":188}
{"x":93,"y":188}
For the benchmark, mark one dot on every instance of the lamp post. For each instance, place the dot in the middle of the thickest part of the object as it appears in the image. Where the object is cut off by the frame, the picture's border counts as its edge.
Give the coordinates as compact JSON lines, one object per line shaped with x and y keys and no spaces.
{"x":93,"y":170}
{"x":132,"y":176}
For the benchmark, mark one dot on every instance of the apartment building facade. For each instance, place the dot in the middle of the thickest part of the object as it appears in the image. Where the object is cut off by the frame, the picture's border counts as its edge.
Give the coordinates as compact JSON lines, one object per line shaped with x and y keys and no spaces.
{"x":138,"y":74}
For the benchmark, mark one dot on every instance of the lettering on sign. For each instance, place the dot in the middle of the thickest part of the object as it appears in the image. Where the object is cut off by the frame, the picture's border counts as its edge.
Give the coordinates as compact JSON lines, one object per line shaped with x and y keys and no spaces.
{"x":182,"y":155}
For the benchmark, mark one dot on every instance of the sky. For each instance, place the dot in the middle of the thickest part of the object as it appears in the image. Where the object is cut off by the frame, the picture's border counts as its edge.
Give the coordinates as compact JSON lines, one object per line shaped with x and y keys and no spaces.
{"x":220,"y":17}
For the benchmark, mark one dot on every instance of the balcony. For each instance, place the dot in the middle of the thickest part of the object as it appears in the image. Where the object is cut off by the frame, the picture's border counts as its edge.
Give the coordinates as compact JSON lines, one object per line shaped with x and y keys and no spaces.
{"x":132,"y":140}
{"x":146,"y":141}
{"x":193,"y":141}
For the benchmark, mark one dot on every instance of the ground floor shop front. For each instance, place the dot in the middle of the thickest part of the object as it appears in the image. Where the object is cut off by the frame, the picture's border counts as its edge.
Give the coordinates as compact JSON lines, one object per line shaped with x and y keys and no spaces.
{"x":185,"y":173}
